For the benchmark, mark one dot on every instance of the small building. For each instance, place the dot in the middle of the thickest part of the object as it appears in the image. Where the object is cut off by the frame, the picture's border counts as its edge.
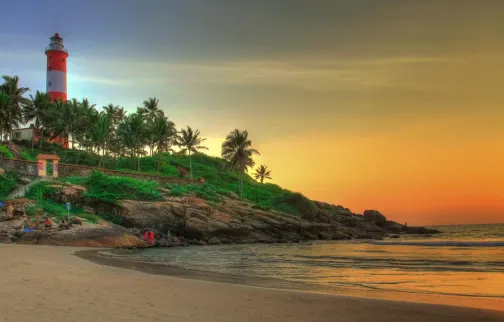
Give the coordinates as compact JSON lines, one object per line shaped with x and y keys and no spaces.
{"x":47,"y":165}
{"x":26,"y":133}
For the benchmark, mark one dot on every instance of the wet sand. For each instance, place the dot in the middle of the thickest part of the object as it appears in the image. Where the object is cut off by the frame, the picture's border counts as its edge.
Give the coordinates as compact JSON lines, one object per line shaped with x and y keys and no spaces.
{"x":43,"y":283}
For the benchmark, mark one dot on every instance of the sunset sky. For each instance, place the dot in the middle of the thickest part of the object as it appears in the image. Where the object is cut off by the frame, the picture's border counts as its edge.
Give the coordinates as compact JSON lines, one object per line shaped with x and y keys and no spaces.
{"x":390,"y":105}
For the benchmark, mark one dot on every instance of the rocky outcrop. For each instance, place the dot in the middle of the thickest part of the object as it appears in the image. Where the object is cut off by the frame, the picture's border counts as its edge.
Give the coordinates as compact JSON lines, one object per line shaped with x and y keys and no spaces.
{"x":236,"y":221}
{"x":63,"y":193}
{"x":179,"y":221}
{"x":375,"y":217}
{"x":85,"y":235}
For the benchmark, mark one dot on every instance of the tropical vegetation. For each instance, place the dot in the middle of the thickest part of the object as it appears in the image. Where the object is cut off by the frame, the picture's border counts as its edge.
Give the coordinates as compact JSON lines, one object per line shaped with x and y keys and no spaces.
{"x":144,"y":140}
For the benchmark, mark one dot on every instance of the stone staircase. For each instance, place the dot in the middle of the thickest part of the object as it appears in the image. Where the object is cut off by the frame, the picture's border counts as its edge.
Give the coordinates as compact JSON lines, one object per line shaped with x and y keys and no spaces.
{"x":21,"y":191}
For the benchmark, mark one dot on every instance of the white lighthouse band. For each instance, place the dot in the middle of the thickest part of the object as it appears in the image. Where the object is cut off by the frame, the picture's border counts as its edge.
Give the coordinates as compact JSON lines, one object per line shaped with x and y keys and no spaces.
{"x":56,"y":81}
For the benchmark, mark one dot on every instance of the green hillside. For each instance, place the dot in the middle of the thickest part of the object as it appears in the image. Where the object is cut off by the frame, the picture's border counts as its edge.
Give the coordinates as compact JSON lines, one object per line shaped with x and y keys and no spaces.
{"x":219,"y":179}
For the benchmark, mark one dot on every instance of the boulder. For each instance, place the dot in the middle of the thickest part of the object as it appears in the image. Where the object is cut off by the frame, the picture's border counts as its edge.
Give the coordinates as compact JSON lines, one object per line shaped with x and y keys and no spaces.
{"x":25,"y":180}
{"x":87,"y":235}
{"x":68,"y":193}
{"x":88,"y":210}
{"x":393,"y":227}
{"x":214,"y":241}
{"x":340,"y":235}
{"x":375,"y":216}
{"x":233,"y":196}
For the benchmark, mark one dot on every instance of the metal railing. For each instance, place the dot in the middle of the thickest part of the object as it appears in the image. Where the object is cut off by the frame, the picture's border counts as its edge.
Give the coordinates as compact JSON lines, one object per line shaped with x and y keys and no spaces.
{"x":48,"y":48}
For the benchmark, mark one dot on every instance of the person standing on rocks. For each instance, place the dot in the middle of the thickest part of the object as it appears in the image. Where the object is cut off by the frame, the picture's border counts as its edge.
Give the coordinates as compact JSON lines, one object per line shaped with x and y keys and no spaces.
{"x":151,"y":237}
{"x":146,"y":235}
{"x":10,"y":211}
{"x":47,"y":223}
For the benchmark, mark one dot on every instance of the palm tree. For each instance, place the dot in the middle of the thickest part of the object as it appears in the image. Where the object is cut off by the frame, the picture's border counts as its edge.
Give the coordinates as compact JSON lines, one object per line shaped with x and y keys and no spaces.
{"x":87,"y":116}
{"x":115,"y":113}
{"x":4,"y":106}
{"x":190,"y":142}
{"x":262,"y":173}
{"x":237,"y":150}
{"x":65,"y":119}
{"x":150,"y":108}
{"x":14,"y":109}
{"x":132,"y":132}
{"x":163,"y":133}
{"x":99,"y":135}
{"x":37,"y":109}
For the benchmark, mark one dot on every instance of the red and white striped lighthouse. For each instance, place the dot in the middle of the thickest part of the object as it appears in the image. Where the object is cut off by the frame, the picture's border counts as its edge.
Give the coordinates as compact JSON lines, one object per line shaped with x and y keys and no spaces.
{"x":57,"y":55}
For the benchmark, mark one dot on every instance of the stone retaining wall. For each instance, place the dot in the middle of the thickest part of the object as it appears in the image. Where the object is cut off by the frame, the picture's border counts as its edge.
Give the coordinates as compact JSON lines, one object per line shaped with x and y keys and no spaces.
{"x":29,"y":169}
{"x":26,"y":167}
{"x":68,"y":170}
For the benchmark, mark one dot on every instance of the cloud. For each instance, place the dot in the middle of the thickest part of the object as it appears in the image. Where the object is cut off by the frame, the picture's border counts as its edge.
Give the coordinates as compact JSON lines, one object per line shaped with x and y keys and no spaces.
{"x":309,"y":75}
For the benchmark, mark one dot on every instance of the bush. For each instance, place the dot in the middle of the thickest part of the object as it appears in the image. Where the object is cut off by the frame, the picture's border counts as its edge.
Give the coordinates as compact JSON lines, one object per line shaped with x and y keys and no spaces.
{"x":297,"y":204}
{"x":5,"y":152}
{"x":27,"y":156}
{"x":48,"y":206}
{"x":110,"y":189}
{"x":203,"y":191}
{"x":7,"y":184}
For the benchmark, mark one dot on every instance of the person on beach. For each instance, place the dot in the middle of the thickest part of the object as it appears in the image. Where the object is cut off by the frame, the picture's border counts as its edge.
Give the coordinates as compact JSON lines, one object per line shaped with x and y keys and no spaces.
{"x":47,"y":223}
{"x":10,"y":211}
{"x":151,"y":237}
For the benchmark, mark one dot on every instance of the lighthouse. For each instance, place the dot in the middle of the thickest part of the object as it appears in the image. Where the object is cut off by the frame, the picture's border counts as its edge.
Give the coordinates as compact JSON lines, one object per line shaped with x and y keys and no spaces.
{"x":56,"y":86}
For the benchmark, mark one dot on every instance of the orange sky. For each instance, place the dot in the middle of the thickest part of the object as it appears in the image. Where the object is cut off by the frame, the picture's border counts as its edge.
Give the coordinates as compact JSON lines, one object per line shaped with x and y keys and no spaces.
{"x":391,"y":105}
{"x":435,"y":172}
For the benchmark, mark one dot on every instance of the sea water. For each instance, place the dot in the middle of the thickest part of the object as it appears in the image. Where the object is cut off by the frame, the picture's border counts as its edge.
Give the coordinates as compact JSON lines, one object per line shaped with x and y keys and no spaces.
{"x":462,"y":266}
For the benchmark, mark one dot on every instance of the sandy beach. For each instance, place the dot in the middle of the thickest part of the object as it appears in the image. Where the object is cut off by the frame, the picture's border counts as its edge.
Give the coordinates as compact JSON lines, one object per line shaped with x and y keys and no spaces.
{"x":43,"y":283}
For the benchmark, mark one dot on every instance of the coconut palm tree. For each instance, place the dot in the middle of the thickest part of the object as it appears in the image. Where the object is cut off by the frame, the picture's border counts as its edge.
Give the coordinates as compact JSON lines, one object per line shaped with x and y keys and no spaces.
{"x":237,"y":150}
{"x":132,"y":132}
{"x":150,"y":108}
{"x":115,"y":113}
{"x":190,"y":142}
{"x":14,"y":110}
{"x":37,"y":109}
{"x":262,"y":173}
{"x":99,"y":135}
{"x":65,"y":119}
{"x":4,"y":106}
{"x":162,"y":133}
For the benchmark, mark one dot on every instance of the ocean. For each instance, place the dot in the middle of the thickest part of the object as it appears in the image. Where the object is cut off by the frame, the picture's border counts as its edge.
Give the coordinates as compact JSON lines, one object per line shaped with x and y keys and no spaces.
{"x":463,"y":266}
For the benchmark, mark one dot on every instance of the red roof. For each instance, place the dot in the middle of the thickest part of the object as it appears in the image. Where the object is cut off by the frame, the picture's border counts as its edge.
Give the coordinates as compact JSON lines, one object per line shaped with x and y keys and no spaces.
{"x":47,"y":157}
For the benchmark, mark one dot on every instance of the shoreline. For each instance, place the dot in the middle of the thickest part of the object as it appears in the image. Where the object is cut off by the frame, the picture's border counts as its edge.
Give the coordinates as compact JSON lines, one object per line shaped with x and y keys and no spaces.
{"x":157,"y":268}
{"x":46,"y":283}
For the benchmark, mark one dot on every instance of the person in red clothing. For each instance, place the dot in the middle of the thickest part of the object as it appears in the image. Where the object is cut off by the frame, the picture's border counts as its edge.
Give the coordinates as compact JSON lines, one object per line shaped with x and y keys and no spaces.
{"x":151,"y":237}
{"x":146,"y":235}
{"x":47,"y":223}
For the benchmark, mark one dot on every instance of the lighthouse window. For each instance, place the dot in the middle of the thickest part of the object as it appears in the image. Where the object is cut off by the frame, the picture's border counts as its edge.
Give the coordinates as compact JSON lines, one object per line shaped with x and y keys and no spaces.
{"x":49,"y":84}
{"x":49,"y":68}
{"x":63,"y":59}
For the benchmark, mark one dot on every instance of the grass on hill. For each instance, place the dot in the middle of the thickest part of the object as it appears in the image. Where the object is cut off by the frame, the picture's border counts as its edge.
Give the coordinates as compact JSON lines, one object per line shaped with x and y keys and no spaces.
{"x":219,"y":180}
{"x":8,"y":184}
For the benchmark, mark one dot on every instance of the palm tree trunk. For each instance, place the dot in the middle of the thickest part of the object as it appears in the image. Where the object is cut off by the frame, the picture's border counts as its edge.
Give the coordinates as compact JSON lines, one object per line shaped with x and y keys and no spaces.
{"x":33,"y":139}
{"x":262,"y":179}
{"x":40,"y":136}
{"x":138,"y":160}
{"x":190,"y":163}
{"x":241,"y":183}
{"x":101,"y":159}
